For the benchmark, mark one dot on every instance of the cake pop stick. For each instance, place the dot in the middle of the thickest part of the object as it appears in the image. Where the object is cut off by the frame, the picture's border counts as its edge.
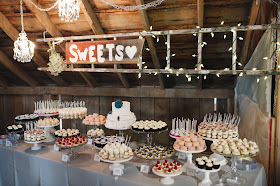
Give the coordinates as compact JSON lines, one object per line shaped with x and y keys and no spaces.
{"x":173,"y":124}
{"x":204,"y":119}
{"x":128,"y":141}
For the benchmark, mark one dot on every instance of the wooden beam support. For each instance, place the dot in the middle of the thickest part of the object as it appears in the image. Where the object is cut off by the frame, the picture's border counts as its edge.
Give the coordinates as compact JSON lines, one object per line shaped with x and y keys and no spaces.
{"x":13,"y":33}
{"x":146,"y":92}
{"x":97,"y":29}
{"x":150,"y":41}
{"x":89,"y":79}
{"x":248,"y":37}
{"x":16,"y":70}
{"x":91,"y":17}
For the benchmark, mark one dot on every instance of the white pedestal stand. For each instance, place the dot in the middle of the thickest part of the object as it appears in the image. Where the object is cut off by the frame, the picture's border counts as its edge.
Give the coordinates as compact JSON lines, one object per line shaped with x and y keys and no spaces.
{"x":167,"y":180}
{"x":116,"y":163}
{"x":206,"y":181}
{"x":48,"y":129}
{"x":36,"y":145}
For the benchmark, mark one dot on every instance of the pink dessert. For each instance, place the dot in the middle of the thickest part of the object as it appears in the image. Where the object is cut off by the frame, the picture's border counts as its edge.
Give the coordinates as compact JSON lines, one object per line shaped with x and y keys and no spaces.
{"x":183,"y":148}
{"x":191,"y":148}
{"x":188,"y":144}
{"x":187,"y":138}
{"x":176,"y":146}
{"x":195,"y":143}
{"x":181,"y":143}
{"x":199,"y":147}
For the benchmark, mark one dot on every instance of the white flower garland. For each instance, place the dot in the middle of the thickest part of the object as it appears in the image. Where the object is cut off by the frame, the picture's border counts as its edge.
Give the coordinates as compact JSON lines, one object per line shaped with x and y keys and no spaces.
{"x":56,"y":62}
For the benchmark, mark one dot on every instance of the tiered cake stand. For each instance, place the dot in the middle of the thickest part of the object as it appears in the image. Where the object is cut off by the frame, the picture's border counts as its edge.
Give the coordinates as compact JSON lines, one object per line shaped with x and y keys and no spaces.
{"x":48,"y":129}
{"x":167,"y":180}
{"x":150,"y":134}
{"x":206,"y":181}
{"x":234,"y":174}
{"x":72,"y":153}
{"x":189,"y":163}
{"x":220,"y":158}
{"x":36,"y":145}
{"x":116,"y":163}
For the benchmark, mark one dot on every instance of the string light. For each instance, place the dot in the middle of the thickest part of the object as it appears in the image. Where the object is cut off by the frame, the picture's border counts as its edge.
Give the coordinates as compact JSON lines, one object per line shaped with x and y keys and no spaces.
{"x":155,"y":73}
{"x":147,"y":49}
{"x":194,"y":55}
{"x":241,"y":74}
{"x":265,"y":58}
{"x":173,"y":55}
{"x":151,"y":27}
{"x":139,"y":75}
{"x":239,"y":63}
{"x":239,"y":24}
{"x":194,"y":34}
{"x":265,"y":77}
{"x":254,"y":68}
{"x":240,"y":38}
{"x":218,"y":75}
{"x":197,"y":77}
{"x":230,"y":48}
{"x":157,"y":39}
{"x":204,"y":77}
{"x":167,"y":75}
{"x":69,"y":10}
{"x":225,"y":36}
{"x":258,"y":80}
{"x":143,"y":62}
{"x":212,"y":34}
{"x":145,"y":67}
{"x":222,"y":23}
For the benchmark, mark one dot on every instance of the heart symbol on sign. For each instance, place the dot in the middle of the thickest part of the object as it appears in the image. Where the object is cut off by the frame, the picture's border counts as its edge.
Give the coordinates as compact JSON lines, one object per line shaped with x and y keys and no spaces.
{"x":131,"y":51}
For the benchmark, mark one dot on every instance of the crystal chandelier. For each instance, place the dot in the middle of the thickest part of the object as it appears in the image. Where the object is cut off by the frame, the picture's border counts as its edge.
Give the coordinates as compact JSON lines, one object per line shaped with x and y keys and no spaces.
{"x":23,"y":48}
{"x":69,"y":10}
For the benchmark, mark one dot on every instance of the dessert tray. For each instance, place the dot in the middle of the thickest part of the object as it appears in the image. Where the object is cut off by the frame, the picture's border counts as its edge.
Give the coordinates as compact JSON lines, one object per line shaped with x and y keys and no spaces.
{"x":116,"y":163}
{"x":156,"y":152}
{"x":47,"y":114}
{"x":189,"y":156}
{"x":167,"y":180}
{"x":115,"y":128}
{"x":36,"y":145}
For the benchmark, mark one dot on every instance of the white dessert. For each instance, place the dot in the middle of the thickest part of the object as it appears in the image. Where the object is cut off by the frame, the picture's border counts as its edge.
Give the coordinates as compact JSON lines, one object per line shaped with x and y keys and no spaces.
{"x":120,"y":117}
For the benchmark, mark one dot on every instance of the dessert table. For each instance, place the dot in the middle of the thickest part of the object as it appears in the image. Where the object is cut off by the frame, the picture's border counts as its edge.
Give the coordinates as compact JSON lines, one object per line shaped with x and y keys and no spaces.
{"x":22,"y":166}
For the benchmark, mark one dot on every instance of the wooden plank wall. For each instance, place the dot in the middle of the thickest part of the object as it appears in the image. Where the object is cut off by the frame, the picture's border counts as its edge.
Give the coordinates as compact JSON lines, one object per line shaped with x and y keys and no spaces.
{"x":164,"y":109}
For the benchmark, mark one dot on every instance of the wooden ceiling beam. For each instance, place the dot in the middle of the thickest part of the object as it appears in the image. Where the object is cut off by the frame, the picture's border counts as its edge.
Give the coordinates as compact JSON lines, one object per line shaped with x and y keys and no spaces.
{"x":248,"y":37}
{"x":91,"y":17}
{"x":46,"y":21}
{"x":150,"y":41}
{"x":96,"y":27}
{"x":16,"y":70}
{"x":13,"y":33}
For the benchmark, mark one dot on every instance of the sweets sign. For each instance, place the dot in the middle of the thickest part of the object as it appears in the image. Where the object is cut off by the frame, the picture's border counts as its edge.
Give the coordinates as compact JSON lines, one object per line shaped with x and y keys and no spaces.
{"x":104,"y":52}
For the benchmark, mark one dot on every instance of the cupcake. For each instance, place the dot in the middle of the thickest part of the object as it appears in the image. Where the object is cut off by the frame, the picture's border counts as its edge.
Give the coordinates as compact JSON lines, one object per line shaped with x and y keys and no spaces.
{"x":201,"y":164}
{"x":197,"y":160}
{"x":216,"y":165}
{"x":209,"y":166}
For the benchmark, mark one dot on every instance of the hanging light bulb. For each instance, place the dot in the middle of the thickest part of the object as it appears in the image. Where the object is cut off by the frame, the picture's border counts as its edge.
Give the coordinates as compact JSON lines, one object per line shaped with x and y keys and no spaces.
{"x":69,"y":10}
{"x":23,"y":48}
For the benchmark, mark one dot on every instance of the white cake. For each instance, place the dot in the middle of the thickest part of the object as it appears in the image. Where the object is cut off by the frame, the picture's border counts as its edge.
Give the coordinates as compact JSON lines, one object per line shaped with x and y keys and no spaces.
{"x":121,"y":117}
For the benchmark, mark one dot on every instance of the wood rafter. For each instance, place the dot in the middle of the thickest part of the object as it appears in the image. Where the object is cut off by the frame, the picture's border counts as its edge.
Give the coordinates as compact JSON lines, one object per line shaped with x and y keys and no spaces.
{"x":146,"y":92}
{"x":247,"y":43}
{"x":45,"y":20}
{"x":150,"y":41}
{"x":97,"y":29}
{"x":13,"y":33}
{"x":16,"y":70}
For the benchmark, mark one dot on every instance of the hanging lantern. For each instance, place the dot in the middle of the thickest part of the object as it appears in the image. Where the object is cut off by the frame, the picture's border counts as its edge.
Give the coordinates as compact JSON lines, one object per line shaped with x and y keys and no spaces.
{"x":69,"y":10}
{"x":23,"y":48}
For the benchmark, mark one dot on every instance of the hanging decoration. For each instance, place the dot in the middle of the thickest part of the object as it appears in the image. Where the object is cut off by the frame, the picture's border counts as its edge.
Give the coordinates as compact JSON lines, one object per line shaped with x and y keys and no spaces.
{"x":69,"y":10}
{"x":144,"y":6}
{"x":57,"y":64}
{"x":23,"y":48}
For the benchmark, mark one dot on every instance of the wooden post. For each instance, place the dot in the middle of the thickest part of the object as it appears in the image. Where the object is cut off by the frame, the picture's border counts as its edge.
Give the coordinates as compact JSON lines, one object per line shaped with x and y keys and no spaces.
{"x":199,"y":51}
{"x":234,"y":48}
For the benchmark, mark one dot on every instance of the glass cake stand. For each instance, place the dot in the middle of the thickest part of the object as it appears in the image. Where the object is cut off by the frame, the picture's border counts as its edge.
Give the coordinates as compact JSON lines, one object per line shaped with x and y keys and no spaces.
{"x":234,"y":176}
{"x":119,"y":129}
{"x":149,"y":134}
